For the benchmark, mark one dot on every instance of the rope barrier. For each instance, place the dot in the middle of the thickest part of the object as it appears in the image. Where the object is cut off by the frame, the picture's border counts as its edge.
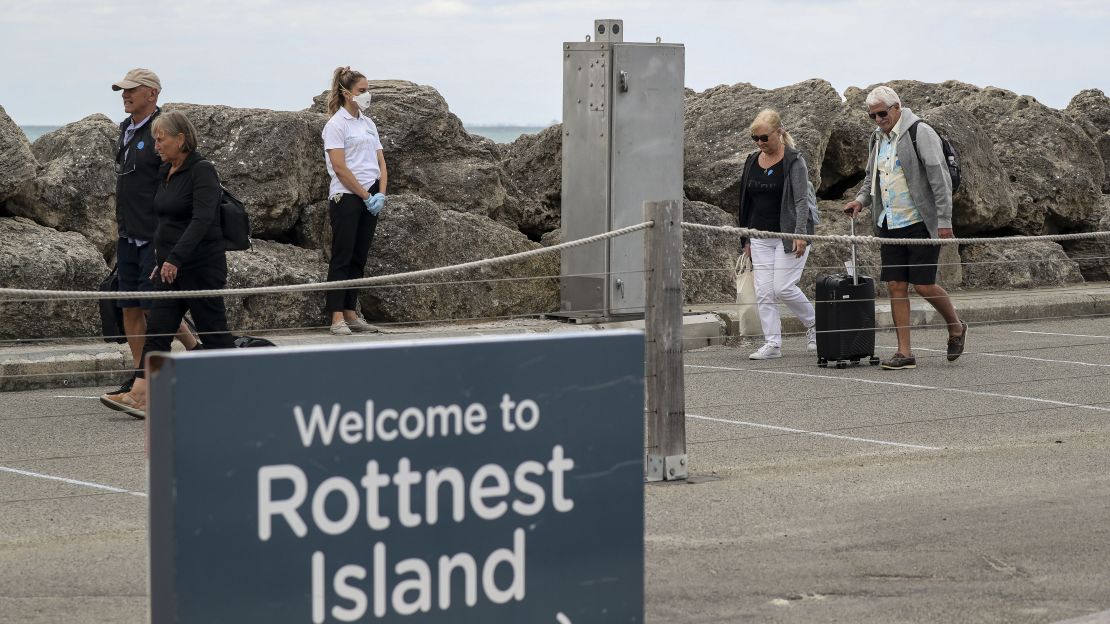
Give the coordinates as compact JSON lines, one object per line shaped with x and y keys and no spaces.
{"x":21,"y":295}
{"x":318,"y":286}
{"x":875,"y":240}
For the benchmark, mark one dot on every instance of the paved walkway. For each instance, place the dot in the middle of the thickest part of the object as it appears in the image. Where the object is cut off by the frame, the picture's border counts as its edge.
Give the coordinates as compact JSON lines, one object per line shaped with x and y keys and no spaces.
{"x":973,"y":491}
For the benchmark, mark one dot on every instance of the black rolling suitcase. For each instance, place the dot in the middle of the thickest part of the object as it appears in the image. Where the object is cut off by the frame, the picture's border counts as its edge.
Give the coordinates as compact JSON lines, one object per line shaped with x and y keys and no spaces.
{"x":845,"y":308}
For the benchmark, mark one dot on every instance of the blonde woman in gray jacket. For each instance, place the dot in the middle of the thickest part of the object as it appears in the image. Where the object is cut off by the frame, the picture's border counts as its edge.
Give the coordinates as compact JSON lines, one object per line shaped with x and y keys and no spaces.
{"x":909,"y":190}
{"x":774,"y":197}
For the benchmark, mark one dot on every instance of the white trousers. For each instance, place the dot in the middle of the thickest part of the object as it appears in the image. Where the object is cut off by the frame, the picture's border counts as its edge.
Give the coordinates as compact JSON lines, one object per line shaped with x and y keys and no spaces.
{"x":776,"y":281}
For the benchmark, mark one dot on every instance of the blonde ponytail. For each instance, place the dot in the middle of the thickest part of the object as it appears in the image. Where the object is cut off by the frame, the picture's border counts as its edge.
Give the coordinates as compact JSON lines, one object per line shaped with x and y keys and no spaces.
{"x":342,"y":79}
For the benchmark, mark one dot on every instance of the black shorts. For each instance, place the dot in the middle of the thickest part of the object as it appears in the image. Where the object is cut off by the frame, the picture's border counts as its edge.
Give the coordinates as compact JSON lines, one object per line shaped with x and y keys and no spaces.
{"x":916,"y":264}
{"x":134,"y":265}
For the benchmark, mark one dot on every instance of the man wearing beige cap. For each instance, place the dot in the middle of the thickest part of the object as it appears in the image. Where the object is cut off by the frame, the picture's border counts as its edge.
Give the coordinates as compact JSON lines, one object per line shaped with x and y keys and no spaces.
{"x":136,"y":182}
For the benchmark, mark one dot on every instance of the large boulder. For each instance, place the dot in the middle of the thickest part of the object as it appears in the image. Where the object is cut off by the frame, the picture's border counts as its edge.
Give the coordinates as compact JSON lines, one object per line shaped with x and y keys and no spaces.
{"x":985,"y":200}
{"x":1091,"y":110}
{"x":275,"y":264}
{"x":17,"y":163}
{"x":75,"y":190}
{"x":1054,"y":169}
{"x":1025,"y":265}
{"x":1093,"y":254}
{"x":272,"y":160}
{"x":708,"y":258}
{"x":416,"y":233}
{"x":313,"y":228}
{"x":845,"y":161}
{"x":534,"y":166}
{"x":42,"y":258}
{"x":429,"y":153}
{"x":717,"y":138}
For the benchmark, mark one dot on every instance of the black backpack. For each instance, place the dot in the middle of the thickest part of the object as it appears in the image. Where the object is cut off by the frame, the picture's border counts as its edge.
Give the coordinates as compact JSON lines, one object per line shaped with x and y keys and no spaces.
{"x":249,"y":342}
{"x":111,"y":315}
{"x":234,"y":222}
{"x":950,"y":157}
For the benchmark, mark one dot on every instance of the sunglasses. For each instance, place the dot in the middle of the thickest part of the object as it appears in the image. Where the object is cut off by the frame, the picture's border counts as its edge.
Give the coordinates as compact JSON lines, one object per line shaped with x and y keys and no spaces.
{"x":881,"y":114}
{"x":761,"y":138}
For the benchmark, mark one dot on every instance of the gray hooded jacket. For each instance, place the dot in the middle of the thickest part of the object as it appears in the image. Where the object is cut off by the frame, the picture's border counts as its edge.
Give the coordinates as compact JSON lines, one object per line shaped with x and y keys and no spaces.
{"x":795,"y":215}
{"x":928,"y":180}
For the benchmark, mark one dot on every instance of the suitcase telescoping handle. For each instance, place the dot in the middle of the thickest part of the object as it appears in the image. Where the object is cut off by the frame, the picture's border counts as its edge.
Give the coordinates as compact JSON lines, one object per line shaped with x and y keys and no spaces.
{"x":855,"y":269}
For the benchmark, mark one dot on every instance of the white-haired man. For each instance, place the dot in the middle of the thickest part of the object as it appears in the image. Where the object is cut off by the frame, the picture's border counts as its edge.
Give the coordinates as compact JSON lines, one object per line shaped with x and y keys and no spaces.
{"x":910,"y":192}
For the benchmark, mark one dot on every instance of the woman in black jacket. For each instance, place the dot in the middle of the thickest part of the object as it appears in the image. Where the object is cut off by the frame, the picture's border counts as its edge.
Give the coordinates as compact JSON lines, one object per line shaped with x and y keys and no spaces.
{"x":188,"y":248}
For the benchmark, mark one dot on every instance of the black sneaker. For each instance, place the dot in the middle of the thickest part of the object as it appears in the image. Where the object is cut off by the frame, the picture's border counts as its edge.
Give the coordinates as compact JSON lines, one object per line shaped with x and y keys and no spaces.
{"x":125,"y":388}
{"x":900,"y":362}
{"x":956,"y":344}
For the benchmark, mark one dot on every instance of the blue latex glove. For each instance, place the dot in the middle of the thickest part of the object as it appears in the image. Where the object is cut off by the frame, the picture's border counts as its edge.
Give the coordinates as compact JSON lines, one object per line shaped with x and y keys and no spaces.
{"x":375,"y":203}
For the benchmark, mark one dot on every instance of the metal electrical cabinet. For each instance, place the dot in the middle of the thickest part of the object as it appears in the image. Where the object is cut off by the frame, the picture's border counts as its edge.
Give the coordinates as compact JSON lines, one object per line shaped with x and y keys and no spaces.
{"x":622,"y":146}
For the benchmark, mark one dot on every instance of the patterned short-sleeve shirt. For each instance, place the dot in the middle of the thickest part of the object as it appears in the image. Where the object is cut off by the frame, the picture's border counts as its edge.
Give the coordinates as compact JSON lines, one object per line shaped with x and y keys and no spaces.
{"x":898,"y":207}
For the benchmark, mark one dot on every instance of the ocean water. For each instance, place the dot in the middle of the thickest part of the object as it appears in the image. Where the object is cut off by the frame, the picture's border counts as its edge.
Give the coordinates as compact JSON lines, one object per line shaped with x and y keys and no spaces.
{"x":499,"y":134}
{"x":34,"y":132}
{"x":503,"y":134}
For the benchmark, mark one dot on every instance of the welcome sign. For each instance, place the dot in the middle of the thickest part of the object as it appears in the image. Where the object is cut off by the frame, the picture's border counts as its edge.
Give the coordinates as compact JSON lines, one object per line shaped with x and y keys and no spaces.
{"x":493,"y":480}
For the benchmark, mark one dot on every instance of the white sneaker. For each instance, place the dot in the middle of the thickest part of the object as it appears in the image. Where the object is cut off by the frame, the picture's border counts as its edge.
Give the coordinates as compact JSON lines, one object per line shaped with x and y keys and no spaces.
{"x":811,"y":336}
{"x":767,"y":352}
{"x":360,"y":325}
{"x":340,"y":329}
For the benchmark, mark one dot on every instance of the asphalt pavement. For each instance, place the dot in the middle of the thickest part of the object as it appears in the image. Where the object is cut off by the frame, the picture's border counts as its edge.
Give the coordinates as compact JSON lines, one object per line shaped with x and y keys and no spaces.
{"x":974,"y":491}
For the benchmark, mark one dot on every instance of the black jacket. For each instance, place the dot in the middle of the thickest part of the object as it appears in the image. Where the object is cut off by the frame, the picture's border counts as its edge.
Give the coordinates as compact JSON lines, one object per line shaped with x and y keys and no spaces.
{"x":139,"y":163}
{"x":187,"y":206}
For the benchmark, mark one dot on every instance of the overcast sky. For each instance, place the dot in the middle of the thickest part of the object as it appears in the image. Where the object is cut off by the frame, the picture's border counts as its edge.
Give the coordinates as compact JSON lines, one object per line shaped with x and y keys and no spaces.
{"x":498,"y":61}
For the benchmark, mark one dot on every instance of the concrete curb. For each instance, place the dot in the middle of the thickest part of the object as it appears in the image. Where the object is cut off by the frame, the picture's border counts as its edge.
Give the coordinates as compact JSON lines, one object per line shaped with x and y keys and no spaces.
{"x":88,"y":363}
{"x":973,"y":306}
{"x":94,"y":363}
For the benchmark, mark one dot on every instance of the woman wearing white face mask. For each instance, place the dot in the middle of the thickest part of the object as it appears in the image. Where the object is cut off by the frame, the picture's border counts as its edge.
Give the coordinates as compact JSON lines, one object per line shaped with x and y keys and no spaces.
{"x":355,"y":161}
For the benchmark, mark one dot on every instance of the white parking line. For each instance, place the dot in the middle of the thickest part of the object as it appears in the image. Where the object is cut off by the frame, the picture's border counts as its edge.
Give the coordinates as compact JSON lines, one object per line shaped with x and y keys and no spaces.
{"x":1102,"y":617}
{"x":73,"y":396}
{"x":1022,"y":331}
{"x":99,"y":486}
{"x":815,"y":433}
{"x":996,"y":395}
{"x":1006,"y":355}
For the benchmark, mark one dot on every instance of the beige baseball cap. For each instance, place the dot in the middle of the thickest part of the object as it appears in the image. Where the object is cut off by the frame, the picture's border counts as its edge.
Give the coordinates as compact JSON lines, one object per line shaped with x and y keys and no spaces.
{"x":138,"y":77}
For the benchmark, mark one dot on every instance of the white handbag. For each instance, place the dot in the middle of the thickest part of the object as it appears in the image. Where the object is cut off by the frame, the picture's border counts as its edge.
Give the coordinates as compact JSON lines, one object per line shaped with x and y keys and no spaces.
{"x":745,"y":298}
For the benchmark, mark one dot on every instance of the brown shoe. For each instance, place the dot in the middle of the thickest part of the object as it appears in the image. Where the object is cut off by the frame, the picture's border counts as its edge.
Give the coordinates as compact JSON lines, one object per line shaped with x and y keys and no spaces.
{"x":956,"y":344}
{"x":900,"y":362}
{"x":124,"y":403}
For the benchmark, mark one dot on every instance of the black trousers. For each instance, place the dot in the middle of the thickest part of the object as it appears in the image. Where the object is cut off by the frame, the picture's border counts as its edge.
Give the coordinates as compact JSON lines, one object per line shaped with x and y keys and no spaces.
{"x":352,"y":231}
{"x":209,"y":314}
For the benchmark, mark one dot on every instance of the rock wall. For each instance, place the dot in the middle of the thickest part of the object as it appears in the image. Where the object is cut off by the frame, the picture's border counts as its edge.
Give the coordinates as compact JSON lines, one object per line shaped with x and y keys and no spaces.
{"x":271,"y":160}
{"x":75,"y":187}
{"x":416,"y":233}
{"x":718,"y":139}
{"x":17,"y":162}
{"x":37,"y":257}
{"x":428,"y":151}
{"x":1028,"y":169}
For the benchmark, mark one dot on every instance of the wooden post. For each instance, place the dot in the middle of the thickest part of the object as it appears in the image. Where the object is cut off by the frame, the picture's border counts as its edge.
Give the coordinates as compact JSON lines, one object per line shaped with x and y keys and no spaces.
{"x":666,"y":396}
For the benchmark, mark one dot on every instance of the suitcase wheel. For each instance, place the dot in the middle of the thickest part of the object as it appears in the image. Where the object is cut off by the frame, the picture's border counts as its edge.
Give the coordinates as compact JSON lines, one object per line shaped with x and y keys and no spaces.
{"x":822,"y":362}
{"x":874,"y":361}
{"x":842,"y":364}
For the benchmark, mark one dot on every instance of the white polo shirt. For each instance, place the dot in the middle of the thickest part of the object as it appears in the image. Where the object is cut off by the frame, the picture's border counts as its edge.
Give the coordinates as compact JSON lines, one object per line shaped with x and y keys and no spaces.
{"x":358,"y":138}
